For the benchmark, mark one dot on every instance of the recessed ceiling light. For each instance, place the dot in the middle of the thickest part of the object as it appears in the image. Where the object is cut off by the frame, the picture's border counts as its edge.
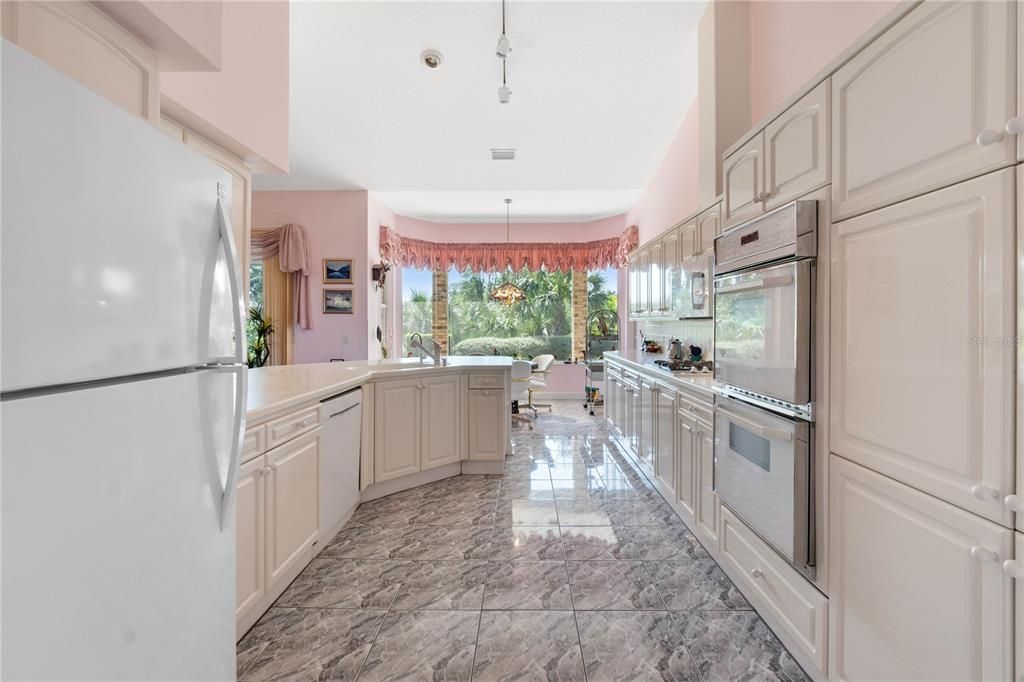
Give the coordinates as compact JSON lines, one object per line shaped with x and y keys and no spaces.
{"x":432,"y":59}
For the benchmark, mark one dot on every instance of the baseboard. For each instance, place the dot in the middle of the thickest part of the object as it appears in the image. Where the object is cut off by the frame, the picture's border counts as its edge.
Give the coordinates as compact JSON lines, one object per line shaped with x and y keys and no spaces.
{"x":483,"y":466}
{"x":411,"y":481}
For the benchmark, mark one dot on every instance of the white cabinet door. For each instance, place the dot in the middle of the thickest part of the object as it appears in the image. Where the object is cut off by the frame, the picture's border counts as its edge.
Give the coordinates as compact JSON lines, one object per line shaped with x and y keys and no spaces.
{"x":1020,"y":91}
{"x":250,"y":535}
{"x":441,"y":420}
{"x":743,"y":183}
{"x":646,"y":399}
{"x":664,"y":461}
{"x":924,"y":106}
{"x":634,"y":285}
{"x":644,"y":305}
{"x":922,"y":367}
{"x":292,"y":505}
{"x":917,"y":590}
{"x":706,"y":509}
{"x":686,"y":464}
{"x":708,"y":226}
{"x":688,"y":239}
{"x":488,"y":412}
{"x":796,"y":148}
{"x":396,"y":429}
{"x":655,"y":278}
{"x":631,"y":418}
{"x":671,"y":276}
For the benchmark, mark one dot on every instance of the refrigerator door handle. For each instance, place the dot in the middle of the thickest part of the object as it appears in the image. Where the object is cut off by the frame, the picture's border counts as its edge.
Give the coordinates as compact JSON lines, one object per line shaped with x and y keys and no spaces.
{"x":234,"y":281}
{"x":227,"y":502}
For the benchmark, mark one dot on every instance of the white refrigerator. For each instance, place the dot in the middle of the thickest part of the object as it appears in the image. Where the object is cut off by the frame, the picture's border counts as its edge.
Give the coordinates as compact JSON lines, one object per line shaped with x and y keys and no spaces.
{"x":122,"y":392}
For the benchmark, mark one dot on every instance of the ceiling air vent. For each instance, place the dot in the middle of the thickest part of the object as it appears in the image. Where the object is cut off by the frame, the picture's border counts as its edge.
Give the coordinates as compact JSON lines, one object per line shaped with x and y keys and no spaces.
{"x":503,"y":154}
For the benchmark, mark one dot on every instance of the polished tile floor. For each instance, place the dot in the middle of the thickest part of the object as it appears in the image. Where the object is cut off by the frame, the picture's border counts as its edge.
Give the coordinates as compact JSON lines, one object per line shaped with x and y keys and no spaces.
{"x":569,"y":566}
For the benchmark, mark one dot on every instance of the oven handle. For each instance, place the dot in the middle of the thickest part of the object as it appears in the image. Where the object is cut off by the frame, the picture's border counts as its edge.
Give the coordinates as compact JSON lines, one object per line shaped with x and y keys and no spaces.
{"x":761,"y":430}
{"x":763,"y":283}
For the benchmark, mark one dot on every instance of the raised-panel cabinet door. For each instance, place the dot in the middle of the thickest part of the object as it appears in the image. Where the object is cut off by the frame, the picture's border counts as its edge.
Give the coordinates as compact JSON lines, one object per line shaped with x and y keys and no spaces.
{"x":707,"y":500}
{"x":487,"y":416}
{"x":250,"y":535}
{"x":671,"y":275}
{"x":1017,"y":124}
{"x":709,"y":226}
{"x":796,"y":148}
{"x":644,"y":306}
{"x":396,"y":429}
{"x":655,"y":279}
{"x":634,"y":285}
{"x":917,"y":590}
{"x":647,"y":401}
{"x":665,"y":465}
{"x":686,"y":464}
{"x":292,"y":504}
{"x":921,"y":359}
{"x":1020,"y":361}
{"x":924,"y":106}
{"x":441,"y":425}
{"x":688,"y":240}
{"x":742,"y":182}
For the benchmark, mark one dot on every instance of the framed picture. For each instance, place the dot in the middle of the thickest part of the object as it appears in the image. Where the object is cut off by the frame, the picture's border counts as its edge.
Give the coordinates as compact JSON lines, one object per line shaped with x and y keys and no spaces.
{"x":338,"y":301}
{"x":337,"y":271}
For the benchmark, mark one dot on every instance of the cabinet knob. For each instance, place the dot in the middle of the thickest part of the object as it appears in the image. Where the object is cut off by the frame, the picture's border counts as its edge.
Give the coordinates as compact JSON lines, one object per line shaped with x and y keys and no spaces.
{"x":984,"y":492}
{"x":1013,"y":568}
{"x":1014,"y":503}
{"x":987,"y":138}
{"x":266,"y":471}
{"x":983,"y":555}
{"x":756,"y":573}
{"x":1015,"y":126}
{"x":763,"y":196}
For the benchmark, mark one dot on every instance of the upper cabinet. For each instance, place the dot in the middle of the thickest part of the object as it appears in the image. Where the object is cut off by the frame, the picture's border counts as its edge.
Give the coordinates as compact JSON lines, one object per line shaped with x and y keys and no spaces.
{"x":925,"y":105}
{"x":1017,"y":125}
{"x":796,"y":147}
{"x":922,"y":368}
{"x":80,"y":41}
{"x":785,"y":161}
{"x":743,"y":182}
{"x":708,"y":226}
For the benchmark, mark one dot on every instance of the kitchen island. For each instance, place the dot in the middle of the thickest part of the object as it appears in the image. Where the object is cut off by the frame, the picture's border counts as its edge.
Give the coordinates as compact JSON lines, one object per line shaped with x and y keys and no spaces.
{"x":321,"y":438}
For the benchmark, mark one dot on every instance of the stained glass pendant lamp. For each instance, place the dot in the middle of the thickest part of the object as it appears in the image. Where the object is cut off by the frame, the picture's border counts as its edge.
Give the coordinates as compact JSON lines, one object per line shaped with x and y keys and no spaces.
{"x":508,"y":293}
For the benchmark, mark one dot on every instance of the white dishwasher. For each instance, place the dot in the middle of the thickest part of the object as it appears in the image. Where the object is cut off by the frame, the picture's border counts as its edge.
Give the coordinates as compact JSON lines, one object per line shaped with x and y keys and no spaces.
{"x":341,"y":417}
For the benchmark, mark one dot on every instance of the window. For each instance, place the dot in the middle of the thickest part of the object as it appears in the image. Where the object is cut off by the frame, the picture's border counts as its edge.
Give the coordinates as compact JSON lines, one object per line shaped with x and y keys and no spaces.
{"x":256,"y":297}
{"x":417,"y":305}
{"x":540,"y":324}
{"x":602,"y":294}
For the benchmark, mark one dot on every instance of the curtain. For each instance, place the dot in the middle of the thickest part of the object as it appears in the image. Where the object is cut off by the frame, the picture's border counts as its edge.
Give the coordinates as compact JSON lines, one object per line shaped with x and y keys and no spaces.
{"x":277,"y":295}
{"x":484,"y":257}
{"x":289,"y":244}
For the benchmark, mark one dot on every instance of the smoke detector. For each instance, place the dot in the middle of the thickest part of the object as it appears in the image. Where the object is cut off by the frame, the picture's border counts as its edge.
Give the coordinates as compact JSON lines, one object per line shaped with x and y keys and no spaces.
{"x":503,"y":154}
{"x":432,"y":59}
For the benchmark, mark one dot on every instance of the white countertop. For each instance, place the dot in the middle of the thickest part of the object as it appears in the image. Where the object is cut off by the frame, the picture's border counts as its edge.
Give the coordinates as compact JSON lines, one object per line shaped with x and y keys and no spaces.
{"x":640,"y":360}
{"x":275,"y":388}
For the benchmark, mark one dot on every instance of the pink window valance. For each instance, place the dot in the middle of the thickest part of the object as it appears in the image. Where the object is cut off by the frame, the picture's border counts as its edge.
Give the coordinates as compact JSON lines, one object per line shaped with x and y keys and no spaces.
{"x":289,"y":244}
{"x":492,"y":257}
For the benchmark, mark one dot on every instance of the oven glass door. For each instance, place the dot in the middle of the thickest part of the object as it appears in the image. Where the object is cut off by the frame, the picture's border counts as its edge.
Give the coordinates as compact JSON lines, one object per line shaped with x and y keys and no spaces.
{"x":761,"y":473}
{"x":762,"y":331}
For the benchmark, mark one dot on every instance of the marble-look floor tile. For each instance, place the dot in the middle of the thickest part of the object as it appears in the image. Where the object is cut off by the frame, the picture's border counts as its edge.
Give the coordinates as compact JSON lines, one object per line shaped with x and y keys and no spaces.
{"x":526,"y":489}
{"x":458,"y":513}
{"x":385,"y":512}
{"x":311,"y":576}
{"x":661,"y":543}
{"x":643,"y":512}
{"x":526,"y":542}
{"x":736,"y":645}
{"x":350,"y":584}
{"x":426,"y":543}
{"x":423,"y":645}
{"x":447,"y":585}
{"x":633,"y":645}
{"x":365,"y":542}
{"x":583,"y":513}
{"x":318,"y":644}
{"x":528,"y":646}
{"x":593,"y":543}
{"x":528,"y":585}
{"x":526,"y":513}
{"x":570,"y":489}
{"x":613,"y":585}
{"x":695,"y":584}
{"x":254,"y":641}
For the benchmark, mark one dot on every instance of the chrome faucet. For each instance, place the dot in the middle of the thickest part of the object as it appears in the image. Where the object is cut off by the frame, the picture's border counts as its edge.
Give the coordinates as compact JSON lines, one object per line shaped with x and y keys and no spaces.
{"x":434,"y":352}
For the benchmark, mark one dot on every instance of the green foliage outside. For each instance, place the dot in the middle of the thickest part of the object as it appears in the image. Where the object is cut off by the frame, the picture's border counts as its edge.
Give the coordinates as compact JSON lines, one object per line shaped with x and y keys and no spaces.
{"x":258,"y":330}
{"x":255,"y":296}
{"x":476,"y":324}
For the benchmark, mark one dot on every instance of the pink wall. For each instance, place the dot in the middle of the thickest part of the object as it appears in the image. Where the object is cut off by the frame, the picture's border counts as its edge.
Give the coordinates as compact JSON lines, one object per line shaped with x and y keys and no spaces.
{"x":336,"y":226}
{"x":674,"y":191}
{"x":791,"y":40}
{"x":245,"y":102}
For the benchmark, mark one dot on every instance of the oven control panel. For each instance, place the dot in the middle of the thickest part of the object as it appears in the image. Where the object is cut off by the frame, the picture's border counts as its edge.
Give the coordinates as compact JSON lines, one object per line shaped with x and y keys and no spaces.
{"x":771,"y":237}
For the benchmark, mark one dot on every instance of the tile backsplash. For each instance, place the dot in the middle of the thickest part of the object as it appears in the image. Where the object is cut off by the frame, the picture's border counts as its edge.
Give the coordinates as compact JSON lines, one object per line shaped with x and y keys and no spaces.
{"x":690,"y":332}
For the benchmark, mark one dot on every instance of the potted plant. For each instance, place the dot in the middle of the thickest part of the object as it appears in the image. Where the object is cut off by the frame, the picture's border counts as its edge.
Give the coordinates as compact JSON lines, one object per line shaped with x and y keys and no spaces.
{"x":259,"y":329}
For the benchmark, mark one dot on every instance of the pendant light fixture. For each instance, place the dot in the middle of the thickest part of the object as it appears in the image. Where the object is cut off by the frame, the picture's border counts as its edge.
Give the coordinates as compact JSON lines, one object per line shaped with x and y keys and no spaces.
{"x":508,"y":293}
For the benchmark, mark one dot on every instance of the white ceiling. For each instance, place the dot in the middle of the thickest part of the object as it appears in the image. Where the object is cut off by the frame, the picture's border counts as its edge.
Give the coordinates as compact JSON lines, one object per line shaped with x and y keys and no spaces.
{"x":598,"y":91}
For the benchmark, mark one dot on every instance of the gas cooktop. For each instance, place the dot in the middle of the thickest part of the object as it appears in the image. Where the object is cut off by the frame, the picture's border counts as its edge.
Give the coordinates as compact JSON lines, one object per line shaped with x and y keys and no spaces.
{"x":702,"y":367}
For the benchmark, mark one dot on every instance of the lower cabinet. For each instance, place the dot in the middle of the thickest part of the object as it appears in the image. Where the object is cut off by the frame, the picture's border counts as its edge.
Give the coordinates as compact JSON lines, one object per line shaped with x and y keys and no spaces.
{"x":441,"y":427}
{"x":665,"y":455}
{"x":706,"y":501}
{"x":917,"y":588}
{"x":396,"y":429}
{"x":648,"y":424}
{"x":488,"y":419}
{"x":276,"y":523}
